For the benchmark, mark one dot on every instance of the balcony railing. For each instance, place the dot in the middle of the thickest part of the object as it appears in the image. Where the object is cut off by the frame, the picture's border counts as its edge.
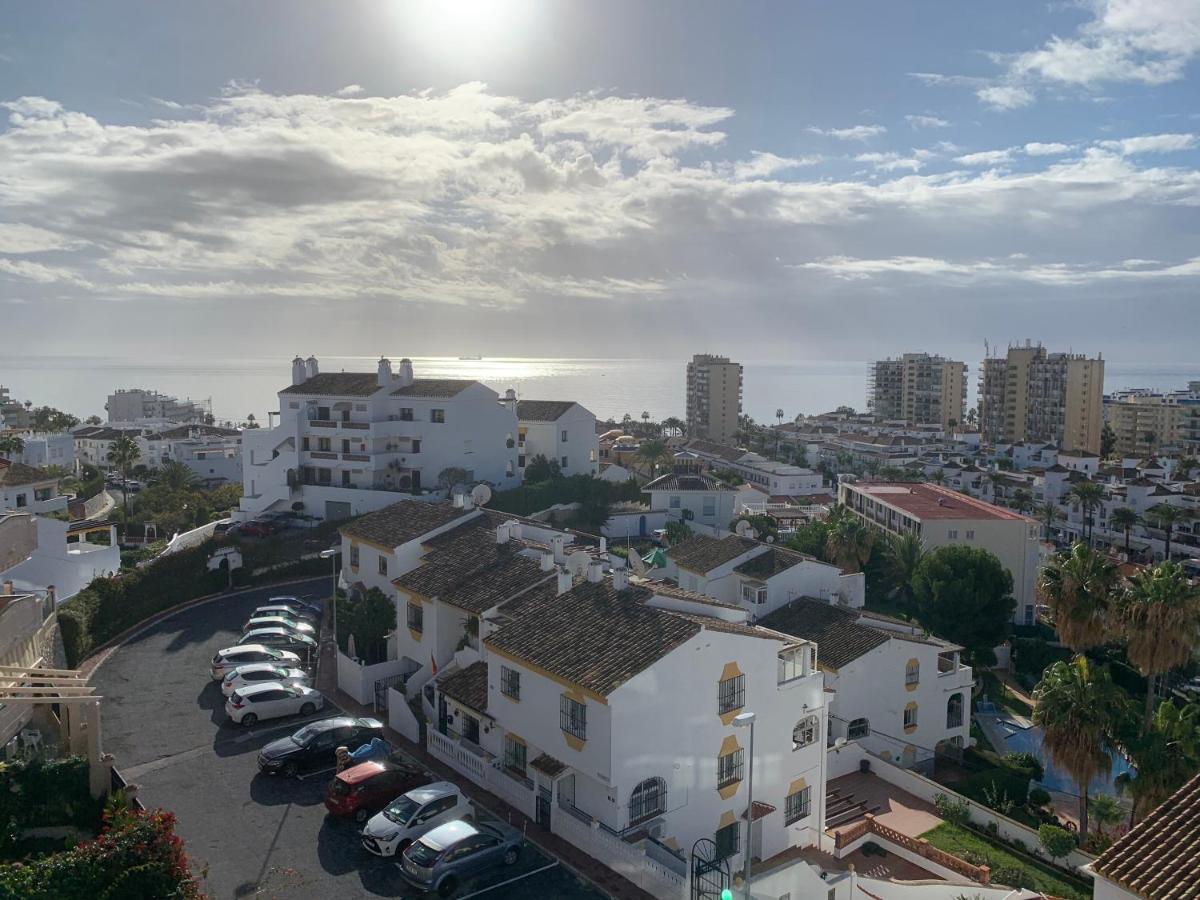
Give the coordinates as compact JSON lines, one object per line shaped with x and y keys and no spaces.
{"x":322,"y":454}
{"x":356,"y":457}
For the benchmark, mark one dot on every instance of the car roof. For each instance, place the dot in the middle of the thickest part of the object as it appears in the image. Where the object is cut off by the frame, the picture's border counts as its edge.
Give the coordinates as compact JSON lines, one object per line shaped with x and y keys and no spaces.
{"x":286,"y":632}
{"x":435,"y":791}
{"x":258,"y":667}
{"x":449,"y":834}
{"x":244,"y":648}
{"x":251,"y":689}
{"x":361,"y":772}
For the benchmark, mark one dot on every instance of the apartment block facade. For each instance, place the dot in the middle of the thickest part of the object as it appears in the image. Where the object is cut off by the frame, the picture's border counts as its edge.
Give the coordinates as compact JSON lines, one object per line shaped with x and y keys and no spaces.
{"x":714,"y":398}
{"x":138,"y":405}
{"x":918,"y":389}
{"x":1031,"y":394}
{"x":1147,"y":423}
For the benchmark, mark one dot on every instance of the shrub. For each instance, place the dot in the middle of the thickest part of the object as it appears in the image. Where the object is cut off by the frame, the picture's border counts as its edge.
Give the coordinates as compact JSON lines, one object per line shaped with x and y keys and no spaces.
{"x":1027,"y":762}
{"x":36,"y":792}
{"x":1011,"y":876}
{"x":1039,"y":797}
{"x":1058,"y":842}
{"x":955,"y":811}
{"x":870,"y":848}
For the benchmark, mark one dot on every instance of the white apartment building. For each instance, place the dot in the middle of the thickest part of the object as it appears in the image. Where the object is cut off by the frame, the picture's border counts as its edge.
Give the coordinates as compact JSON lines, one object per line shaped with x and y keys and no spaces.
{"x":943,"y":517}
{"x":714,"y":398}
{"x":93,"y":443}
{"x":38,"y":553}
{"x":700,"y":501}
{"x":41,"y":450}
{"x":347,"y":443}
{"x":1147,"y":422}
{"x":28,"y":489}
{"x":776,"y":479}
{"x":213,"y":453}
{"x":137,"y":405}
{"x":560,"y":430}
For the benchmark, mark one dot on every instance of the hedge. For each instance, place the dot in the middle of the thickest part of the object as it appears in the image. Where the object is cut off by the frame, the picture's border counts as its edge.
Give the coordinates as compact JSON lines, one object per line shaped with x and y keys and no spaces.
{"x":532,"y":498}
{"x":35,"y":793}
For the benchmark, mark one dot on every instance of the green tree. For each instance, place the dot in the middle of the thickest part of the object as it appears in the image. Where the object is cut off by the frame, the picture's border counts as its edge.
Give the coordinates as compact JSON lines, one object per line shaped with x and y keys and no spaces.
{"x":123,"y":453}
{"x":451,"y":477}
{"x":540,"y":469}
{"x":810,"y":538}
{"x":1158,"y":614}
{"x":1022,"y":499}
{"x":1108,"y":441}
{"x":372,"y":619}
{"x":673,"y":426}
{"x":92,"y":420}
{"x":1104,"y":810}
{"x":1185,"y":466}
{"x":1162,"y":758}
{"x":1166,"y":517}
{"x":1057,"y":842}
{"x":177,"y":476}
{"x":1079,"y":710}
{"x":1124,"y":518}
{"x":778,"y":430}
{"x":1088,"y":495}
{"x":652,"y":452}
{"x":902,"y":555}
{"x":1078,"y":586}
{"x":49,"y":419}
{"x":12,"y":445}
{"x":849,"y":541}
{"x":1048,"y":513}
{"x":964,"y":594}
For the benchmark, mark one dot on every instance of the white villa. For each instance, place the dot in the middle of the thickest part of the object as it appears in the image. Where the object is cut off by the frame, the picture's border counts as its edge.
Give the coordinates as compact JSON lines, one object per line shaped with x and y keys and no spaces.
{"x":560,"y":430}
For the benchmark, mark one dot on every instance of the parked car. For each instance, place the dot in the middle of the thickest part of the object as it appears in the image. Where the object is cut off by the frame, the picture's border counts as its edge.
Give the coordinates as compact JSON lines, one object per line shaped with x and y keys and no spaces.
{"x":361,"y":791}
{"x":272,"y":700}
{"x":279,"y":621}
{"x":279,"y":609}
{"x":255,"y":673}
{"x":411,"y":815}
{"x":298,"y":606}
{"x":258,"y":528}
{"x":283,"y":639}
{"x":224,"y":661}
{"x":440,"y":859}
{"x":314,"y":745}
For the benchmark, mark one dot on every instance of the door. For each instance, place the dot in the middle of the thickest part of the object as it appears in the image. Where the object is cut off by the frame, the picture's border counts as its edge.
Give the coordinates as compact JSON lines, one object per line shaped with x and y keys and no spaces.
{"x":542,"y":810}
{"x":335,"y":510}
{"x":443,"y":715}
{"x":566,"y":790}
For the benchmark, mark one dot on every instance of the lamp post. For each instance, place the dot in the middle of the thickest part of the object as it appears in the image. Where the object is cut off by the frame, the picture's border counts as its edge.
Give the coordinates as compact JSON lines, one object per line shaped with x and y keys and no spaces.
{"x":744,"y":720}
{"x":331,"y":555}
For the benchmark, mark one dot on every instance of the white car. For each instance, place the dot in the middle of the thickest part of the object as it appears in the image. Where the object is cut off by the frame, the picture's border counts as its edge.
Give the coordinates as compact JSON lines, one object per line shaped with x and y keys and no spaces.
{"x":224,"y":661}
{"x":270,"y":700}
{"x":257,"y":621}
{"x":256,"y":673}
{"x":411,"y":815}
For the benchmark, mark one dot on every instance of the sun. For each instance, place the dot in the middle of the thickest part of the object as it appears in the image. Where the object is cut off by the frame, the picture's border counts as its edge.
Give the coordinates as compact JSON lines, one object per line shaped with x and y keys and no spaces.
{"x":464,"y":28}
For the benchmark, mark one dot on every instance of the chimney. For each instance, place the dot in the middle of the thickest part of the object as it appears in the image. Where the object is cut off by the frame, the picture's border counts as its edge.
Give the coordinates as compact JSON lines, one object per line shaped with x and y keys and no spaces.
{"x":603,"y":546}
{"x":510,"y":401}
{"x":6,"y":590}
{"x":556,"y":544}
{"x":404,"y":377}
{"x":385,"y":371}
{"x":311,"y":370}
{"x":564,"y":580}
{"x":52,"y":594}
{"x":514,"y":530}
{"x":620,"y":578}
{"x":457,"y":501}
{"x":502,"y":534}
{"x":547,"y":562}
{"x":595,"y":571}
{"x":298,"y":373}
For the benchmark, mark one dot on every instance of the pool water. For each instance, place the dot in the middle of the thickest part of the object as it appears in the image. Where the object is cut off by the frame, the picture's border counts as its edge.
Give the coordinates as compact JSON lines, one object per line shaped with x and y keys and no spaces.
{"x":1029,"y":740}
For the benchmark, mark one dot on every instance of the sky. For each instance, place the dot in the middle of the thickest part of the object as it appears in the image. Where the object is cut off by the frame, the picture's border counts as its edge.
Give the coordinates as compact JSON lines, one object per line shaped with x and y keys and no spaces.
{"x":775,"y":181}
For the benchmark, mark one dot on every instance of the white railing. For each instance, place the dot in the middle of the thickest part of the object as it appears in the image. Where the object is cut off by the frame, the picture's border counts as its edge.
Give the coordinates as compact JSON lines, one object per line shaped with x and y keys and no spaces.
{"x":625,"y":859}
{"x":457,"y":756}
{"x":481,"y":770}
{"x":510,"y":790}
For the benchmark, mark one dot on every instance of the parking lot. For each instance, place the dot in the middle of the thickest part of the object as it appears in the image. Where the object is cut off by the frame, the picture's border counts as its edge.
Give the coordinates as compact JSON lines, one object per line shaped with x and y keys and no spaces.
{"x":247,"y":834}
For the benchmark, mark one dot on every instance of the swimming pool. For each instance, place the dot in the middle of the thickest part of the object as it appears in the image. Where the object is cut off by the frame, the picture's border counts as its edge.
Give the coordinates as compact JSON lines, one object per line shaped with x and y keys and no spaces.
{"x":1029,"y":740}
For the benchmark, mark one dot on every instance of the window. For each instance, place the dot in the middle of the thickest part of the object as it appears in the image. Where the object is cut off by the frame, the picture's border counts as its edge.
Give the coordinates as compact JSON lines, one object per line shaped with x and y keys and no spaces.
{"x":797,"y":806}
{"x":510,"y":682}
{"x":910,"y":716}
{"x":416,"y":446}
{"x":514,"y":754}
{"x":416,"y":617}
{"x":970,"y":534}
{"x":382,"y":565}
{"x":727,"y":839}
{"x":572,"y":717}
{"x":324,"y":476}
{"x":858,"y":728}
{"x":562,"y":463}
{"x":731,"y":694}
{"x":437,"y":415}
{"x":954,"y":711}
{"x":710,"y":507}
{"x":346,"y":479}
{"x":324,"y":445}
{"x":752,"y":593}
{"x":304,"y":444}
{"x":806,"y":732}
{"x":729,"y":768}
{"x":345,"y":445}
{"x":406,"y":414}
{"x":674,"y":501}
{"x":470,"y":728}
{"x":912,"y":672}
{"x":649,"y":799}
{"x":22,"y":499}
{"x":952,"y":534}
{"x":354,"y":555}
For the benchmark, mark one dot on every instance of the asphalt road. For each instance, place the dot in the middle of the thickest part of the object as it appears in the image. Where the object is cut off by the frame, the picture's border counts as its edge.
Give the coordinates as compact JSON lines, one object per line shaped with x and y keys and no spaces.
{"x":247,"y":834}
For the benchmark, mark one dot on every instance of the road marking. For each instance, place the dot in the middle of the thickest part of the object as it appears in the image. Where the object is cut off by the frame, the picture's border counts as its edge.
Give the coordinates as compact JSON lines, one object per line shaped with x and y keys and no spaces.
{"x":293,"y":726}
{"x":509,"y":881}
{"x":163,"y":761}
{"x":315,"y":774}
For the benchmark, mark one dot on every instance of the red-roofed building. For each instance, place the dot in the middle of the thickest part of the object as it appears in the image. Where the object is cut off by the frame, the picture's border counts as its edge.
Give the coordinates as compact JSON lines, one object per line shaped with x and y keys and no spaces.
{"x":943,"y":517}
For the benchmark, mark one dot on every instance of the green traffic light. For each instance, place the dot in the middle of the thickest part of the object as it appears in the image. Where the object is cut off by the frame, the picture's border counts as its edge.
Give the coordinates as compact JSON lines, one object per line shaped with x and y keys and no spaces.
{"x":726,"y":894}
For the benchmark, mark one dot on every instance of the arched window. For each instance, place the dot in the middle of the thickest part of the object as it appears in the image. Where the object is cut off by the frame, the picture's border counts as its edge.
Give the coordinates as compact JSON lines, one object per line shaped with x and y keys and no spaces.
{"x":954,"y":711}
{"x":912,"y":672}
{"x":649,"y":799}
{"x":858,"y":728}
{"x":806,"y":732}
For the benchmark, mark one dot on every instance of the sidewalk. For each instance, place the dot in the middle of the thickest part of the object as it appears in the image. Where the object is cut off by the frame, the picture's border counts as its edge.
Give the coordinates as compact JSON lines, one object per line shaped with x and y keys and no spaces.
{"x":602,"y":877}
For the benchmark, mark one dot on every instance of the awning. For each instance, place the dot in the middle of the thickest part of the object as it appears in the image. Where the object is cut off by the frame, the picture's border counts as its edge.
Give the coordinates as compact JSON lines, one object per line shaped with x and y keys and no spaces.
{"x":761,"y":809}
{"x":548,"y":765}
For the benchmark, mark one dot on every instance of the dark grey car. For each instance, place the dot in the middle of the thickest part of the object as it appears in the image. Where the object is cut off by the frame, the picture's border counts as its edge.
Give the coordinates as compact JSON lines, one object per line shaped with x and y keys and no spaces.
{"x":445,"y":857}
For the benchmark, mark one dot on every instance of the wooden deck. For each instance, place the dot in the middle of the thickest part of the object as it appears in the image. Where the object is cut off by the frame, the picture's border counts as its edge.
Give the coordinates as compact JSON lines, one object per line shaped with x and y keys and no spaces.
{"x":858,"y":794}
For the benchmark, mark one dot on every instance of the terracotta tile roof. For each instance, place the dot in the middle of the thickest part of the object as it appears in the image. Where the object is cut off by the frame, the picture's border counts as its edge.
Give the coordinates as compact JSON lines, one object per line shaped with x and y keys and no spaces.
{"x":548,"y":765}
{"x":675,"y":482}
{"x":701,"y":553}
{"x":542,"y":410}
{"x":839,"y":636}
{"x":1159,"y":858}
{"x":491,"y":585}
{"x":468,"y":686}
{"x":772,"y":562}
{"x":402,"y":522}
{"x":337,"y":384}
{"x":434,"y":387}
{"x":15,"y":474}
{"x":592,"y":635}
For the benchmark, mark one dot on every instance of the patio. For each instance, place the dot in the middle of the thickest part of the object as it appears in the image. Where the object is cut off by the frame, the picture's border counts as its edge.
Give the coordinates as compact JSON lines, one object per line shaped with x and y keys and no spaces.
{"x":851,"y":797}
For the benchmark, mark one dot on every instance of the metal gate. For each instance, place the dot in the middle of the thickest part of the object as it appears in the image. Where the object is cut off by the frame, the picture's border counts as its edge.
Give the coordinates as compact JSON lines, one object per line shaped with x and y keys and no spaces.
{"x":710,"y":874}
{"x":381,"y":690}
{"x":543,"y":808}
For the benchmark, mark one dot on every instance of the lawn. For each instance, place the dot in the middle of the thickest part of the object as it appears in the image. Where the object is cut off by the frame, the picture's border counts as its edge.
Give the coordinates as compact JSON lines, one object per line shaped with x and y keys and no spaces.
{"x":1005,"y":863}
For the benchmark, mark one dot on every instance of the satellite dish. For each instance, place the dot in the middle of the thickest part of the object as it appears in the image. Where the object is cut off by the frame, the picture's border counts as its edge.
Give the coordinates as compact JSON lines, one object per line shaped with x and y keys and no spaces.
{"x":742,"y":528}
{"x":636,"y":564}
{"x":577,"y":563}
{"x":481,"y":494}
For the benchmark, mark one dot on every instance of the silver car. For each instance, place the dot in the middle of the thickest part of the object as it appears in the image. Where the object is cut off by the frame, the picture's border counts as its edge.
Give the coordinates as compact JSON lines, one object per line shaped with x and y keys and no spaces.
{"x":445,"y":857}
{"x":230,"y":658}
{"x":244,"y":676}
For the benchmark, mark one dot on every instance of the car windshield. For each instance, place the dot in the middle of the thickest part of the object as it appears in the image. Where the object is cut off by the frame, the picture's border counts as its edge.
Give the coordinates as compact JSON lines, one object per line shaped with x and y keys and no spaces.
{"x":306,"y":734}
{"x":339,"y":788}
{"x":423,"y":855}
{"x":401,"y":810}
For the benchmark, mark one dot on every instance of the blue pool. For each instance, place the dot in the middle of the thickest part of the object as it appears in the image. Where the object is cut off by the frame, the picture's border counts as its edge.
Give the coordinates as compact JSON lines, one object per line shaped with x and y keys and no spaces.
{"x":1029,"y":740}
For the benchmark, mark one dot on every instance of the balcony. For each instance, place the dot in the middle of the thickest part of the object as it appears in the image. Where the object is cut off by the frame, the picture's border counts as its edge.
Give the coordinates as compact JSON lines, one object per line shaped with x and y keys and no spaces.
{"x":356,"y":457}
{"x":322,"y":454}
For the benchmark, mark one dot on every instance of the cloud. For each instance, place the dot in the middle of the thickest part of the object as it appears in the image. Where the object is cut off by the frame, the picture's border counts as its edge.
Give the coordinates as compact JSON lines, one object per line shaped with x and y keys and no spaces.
{"x":764,"y":165}
{"x":17,"y":239}
{"x":926,"y":122}
{"x":350,"y":90}
{"x":1004,"y":96}
{"x":1036,"y":148}
{"x":854,"y":133}
{"x":1054,"y":274}
{"x":890,"y":162}
{"x":1151,"y":143}
{"x":986,"y":158}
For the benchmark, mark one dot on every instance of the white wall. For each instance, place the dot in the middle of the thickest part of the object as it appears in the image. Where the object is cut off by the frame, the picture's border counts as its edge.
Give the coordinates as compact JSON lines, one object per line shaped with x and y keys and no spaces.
{"x":69,"y":567}
{"x":581,"y":448}
{"x":723,"y":503}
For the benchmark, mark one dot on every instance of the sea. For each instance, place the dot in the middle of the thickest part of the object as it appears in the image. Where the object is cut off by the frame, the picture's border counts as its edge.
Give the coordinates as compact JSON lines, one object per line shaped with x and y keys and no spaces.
{"x":609,"y":387}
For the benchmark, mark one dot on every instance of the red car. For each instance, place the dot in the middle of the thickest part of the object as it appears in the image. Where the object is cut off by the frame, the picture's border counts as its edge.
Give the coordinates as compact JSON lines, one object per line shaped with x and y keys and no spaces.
{"x":258,"y":528}
{"x":363,"y":790}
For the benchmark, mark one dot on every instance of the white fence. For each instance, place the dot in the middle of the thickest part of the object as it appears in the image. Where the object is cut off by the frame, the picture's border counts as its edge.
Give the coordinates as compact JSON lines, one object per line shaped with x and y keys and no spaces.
{"x":481,"y":771}
{"x":358,"y":680}
{"x":400,"y":716}
{"x":624,"y":859}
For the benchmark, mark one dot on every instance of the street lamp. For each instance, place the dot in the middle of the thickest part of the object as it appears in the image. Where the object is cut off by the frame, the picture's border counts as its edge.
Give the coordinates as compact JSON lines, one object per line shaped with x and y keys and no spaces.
{"x":744,"y":720}
{"x":331,"y":554}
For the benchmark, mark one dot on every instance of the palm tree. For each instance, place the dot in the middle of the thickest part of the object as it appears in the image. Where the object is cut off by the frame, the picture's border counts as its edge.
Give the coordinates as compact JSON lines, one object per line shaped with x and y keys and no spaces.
{"x":1159,"y":615}
{"x":1022,"y":499}
{"x":938,"y":476}
{"x":1078,"y":587}
{"x":1166,"y":517}
{"x":651,"y":452}
{"x":1162,"y":758}
{"x":673,"y":426}
{"x":778,"y":430}
{"x":1183,"y":468}
{"x":1078,"y":709}
{"x":1088,"y":495}
{"x":177,"y":476}
{"x":1047,"y":512}
{"x":849,"y":542}
{"x":1124,"y":518}
{"x":1106,"y":811}
{"x":902,"y":554}
{"x":12,"y":445}
{"x":123,"y":453}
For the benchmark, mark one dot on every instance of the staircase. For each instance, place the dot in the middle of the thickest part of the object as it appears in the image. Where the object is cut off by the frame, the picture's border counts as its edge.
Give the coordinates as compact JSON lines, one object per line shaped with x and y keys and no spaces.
{"x":843,"y":808}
